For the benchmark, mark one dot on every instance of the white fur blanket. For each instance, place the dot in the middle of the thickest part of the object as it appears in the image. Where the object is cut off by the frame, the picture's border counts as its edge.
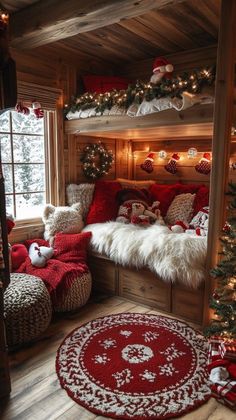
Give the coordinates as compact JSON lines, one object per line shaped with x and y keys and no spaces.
{"x":170,"y":255}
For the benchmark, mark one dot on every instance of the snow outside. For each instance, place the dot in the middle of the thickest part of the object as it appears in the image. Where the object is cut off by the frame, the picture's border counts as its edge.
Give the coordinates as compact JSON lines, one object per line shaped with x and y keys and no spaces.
{"x":23,"y":163}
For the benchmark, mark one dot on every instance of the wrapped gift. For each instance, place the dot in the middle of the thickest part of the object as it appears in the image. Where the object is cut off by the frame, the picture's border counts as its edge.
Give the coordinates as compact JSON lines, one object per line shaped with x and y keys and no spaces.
{"x":228,"y":349}
{"x":222,"y":374}
{"x":225,"y":393}
{"x":214,"y":349}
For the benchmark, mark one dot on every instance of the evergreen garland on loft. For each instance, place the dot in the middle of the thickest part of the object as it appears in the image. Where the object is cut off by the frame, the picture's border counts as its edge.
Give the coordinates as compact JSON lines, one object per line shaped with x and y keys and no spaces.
{"x":136,"y":93}
{"x":223,"y":300}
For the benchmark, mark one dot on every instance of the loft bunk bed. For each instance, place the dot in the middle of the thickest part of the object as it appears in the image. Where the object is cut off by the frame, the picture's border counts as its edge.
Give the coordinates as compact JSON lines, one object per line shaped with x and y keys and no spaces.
{"x":195,"y":110}
{"x":182,"y":99}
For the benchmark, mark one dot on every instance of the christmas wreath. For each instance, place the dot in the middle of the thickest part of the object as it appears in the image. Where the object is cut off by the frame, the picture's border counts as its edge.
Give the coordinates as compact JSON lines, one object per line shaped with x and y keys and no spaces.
{"x":97,"y":160}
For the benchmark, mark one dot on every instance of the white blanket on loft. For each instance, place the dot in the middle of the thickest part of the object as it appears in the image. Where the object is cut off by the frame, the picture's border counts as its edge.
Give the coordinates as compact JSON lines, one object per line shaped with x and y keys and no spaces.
{"x":170,"y":255}
{"x":147,"y":107}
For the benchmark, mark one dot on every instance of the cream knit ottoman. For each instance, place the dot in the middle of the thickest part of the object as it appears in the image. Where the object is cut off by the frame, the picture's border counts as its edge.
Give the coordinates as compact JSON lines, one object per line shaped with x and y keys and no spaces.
{"x":76,"y":296}
{"x":27,"y":309}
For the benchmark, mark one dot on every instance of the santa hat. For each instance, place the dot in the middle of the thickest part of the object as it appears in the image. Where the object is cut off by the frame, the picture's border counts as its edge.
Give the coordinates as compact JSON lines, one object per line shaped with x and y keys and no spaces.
{"x":206,"y":156}
{"x":150,"y":157}
{"x":175,"y":156}
{"x":162,"y":65}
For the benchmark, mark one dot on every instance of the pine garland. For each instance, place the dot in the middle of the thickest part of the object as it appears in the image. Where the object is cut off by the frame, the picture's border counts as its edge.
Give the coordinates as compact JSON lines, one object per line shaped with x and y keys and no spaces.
{"x":96,"y":152}
{"x":136,"y":93}
{"x":223,"y":300}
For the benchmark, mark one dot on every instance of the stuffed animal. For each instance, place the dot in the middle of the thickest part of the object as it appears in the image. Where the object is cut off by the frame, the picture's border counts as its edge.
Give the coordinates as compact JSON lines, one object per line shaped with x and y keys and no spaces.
{"x":39,"y":254}
{"x":161,"y":68}
{"x":62,"y":219}
{"x":138,"y":212}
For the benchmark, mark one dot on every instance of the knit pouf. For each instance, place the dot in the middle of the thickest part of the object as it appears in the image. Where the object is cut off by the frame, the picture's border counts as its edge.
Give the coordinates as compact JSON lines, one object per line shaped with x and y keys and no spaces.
{"x":76,"y":296}
{"x":27,"y":309}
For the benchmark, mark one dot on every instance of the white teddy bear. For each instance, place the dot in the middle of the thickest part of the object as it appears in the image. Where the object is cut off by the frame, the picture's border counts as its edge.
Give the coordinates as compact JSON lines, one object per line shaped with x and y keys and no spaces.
{"x":62,"y":219}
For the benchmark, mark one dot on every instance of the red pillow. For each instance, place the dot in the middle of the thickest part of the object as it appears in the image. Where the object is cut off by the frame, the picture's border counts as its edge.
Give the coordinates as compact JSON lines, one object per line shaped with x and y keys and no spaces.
{"x":71,"y":247}
{"x":165,"y":194}
{"x":201,"y":199}
{"x":102,"y":84}
{"x":105,"y":205}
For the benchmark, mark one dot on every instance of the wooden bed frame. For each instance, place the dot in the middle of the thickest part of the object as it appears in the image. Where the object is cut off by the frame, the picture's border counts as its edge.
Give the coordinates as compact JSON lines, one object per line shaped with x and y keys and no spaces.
{"x":147,"y":288}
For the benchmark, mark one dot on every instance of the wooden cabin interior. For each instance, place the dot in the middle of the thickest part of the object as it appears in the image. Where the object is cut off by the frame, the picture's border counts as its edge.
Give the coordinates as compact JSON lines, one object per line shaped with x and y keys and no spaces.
{"x":55,"y":45}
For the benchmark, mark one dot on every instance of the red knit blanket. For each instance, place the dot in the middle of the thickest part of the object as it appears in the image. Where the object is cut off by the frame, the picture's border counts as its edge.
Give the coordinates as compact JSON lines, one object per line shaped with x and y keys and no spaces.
{"x":68,"y":263}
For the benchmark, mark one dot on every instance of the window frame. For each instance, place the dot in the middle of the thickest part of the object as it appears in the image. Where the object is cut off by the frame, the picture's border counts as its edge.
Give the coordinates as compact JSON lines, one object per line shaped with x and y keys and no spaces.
{"x":10,"y":133}
{"x":51,"y":100}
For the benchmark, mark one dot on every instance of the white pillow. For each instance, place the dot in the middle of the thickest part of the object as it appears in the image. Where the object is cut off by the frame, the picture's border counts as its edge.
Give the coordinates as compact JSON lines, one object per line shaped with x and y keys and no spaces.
{"x":181,"y":208}
{"x":80,"y":193}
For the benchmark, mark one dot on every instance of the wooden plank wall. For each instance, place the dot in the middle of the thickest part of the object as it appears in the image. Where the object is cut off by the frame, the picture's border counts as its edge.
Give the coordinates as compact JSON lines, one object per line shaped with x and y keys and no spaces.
{"x":73,"y":151}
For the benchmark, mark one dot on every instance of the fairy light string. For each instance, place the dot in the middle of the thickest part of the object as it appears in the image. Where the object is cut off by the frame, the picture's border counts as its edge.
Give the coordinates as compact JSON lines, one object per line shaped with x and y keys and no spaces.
{"x":139,"y":91}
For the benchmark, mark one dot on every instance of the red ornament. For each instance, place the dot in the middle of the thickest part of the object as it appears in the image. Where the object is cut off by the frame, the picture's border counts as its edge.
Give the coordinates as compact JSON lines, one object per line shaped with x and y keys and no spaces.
{"x":226,"y":228}
{"x":215,"y":295}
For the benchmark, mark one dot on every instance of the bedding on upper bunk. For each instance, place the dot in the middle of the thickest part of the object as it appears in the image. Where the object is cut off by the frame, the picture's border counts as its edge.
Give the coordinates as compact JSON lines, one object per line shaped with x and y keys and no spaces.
{"x":179,"y":93}
{"x":146,"y":107}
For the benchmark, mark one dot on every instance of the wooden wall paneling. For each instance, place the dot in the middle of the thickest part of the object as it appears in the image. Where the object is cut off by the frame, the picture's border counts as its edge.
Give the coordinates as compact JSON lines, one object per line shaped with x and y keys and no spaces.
{"x":177,"y":145}
{"x":182,"y":61}
{"x":121,"y":161}
{"x":71,"y":169}
{"x":186,"y":168}
{"x":23,"y":233}
{"x":223,"y":116}
{"x":60,"y":160}
{"x":81,"y":142}
{"x":34,"y":69}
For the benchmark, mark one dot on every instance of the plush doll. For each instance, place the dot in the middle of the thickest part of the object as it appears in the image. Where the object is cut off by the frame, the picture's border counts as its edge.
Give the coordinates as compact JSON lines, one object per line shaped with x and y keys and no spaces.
{"x":39,"y":254}
{"x":161,"y":68}
{"x":62,"y":219}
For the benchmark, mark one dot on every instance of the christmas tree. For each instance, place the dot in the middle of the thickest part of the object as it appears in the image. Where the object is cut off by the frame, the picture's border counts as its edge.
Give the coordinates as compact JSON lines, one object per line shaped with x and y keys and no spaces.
{"x":223,"y":300}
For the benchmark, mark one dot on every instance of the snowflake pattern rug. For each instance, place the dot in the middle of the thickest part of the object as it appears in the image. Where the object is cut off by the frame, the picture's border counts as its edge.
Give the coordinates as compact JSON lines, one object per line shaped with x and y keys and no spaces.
{"x":135,"y":366}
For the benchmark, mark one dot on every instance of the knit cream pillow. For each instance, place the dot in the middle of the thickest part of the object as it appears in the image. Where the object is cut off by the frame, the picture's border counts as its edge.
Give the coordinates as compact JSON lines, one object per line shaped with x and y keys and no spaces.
{"x":80,"y":193}
{"x":181,"y":208}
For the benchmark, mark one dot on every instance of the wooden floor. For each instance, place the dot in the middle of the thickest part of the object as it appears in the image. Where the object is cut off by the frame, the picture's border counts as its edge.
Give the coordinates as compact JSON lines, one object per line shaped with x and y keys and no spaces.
{"x":36,"y":393}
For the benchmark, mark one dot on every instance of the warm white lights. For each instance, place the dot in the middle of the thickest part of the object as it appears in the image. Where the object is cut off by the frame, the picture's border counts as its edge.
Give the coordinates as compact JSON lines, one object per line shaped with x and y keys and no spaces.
{"x":162,"y":154}
{"x":192,"y":152}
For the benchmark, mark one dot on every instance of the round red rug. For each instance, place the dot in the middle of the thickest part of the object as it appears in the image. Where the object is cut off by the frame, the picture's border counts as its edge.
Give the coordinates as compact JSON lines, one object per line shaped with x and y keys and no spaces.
{"x":135,"y":366}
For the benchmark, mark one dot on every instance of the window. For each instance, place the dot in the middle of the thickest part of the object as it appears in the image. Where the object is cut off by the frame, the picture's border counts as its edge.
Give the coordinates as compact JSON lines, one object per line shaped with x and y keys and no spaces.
{"x":23,"y":151}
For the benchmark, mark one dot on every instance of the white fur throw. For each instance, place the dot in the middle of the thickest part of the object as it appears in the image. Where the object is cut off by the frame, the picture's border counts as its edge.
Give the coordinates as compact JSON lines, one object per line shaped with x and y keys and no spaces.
{"x":170,"y":255}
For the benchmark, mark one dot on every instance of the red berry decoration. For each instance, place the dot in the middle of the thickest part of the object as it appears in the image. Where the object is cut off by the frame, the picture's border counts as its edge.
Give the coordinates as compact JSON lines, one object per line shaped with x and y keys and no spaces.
{"x":226,"y":228}
{"x":215,"y":295}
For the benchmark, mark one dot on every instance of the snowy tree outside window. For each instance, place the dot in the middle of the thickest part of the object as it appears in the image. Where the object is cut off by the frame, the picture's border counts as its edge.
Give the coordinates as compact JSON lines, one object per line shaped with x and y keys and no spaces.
{"x":22,"y":143}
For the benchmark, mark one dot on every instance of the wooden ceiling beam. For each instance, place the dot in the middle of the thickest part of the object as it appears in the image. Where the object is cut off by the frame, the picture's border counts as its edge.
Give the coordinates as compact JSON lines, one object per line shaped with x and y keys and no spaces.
{"x":51,"y":20}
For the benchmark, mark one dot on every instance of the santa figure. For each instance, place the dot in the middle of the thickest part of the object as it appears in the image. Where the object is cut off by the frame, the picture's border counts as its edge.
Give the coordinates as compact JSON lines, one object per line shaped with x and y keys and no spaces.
{"x":161,"y":68}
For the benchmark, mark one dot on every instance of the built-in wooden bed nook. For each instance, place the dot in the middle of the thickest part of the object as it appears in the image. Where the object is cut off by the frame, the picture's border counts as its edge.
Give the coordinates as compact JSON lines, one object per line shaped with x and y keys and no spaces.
{"x":55,"y":54}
